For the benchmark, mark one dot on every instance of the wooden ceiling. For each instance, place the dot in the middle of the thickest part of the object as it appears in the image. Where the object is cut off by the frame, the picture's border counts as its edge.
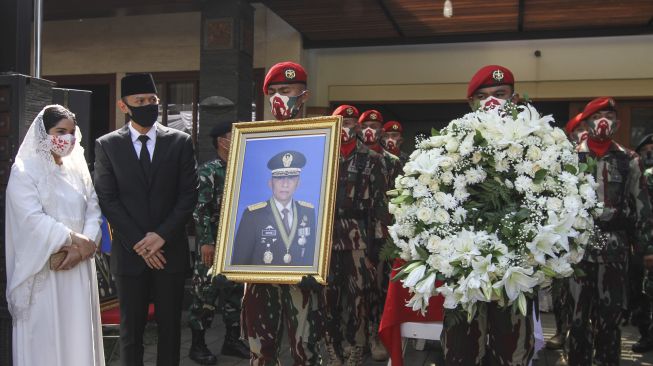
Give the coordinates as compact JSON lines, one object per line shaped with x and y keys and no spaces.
{"x":342,"y":23}
{"x":348,"y":23}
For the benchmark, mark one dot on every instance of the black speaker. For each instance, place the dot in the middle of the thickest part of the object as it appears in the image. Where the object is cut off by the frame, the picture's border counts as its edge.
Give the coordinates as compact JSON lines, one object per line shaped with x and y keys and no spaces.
{"x":21,"y":99}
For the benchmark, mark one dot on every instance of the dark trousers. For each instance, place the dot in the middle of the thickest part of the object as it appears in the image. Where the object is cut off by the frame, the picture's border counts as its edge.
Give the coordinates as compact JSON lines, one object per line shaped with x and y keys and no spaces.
{"x":166,"y":290}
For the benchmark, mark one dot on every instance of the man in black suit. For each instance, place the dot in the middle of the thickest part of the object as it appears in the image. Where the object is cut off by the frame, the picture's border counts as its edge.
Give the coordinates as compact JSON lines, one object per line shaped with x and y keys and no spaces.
{"x":146,"y":182}
{"x":280,"y":231}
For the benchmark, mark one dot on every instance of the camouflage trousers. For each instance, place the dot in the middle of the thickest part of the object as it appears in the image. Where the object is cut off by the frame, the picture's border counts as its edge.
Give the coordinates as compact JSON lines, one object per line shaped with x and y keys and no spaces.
{"x":268,"y":308}
{"x":562,"y":304}
{"x":639,"y":302}
{"x":204,"y":296}
{"x":506,"y":336}
{"x":346,"y":307}
{"x":599,"y":297}
{"x":378,"y":292}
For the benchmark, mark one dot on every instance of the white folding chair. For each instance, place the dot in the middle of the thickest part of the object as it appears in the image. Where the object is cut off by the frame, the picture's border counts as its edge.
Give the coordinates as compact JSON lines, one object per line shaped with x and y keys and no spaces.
{"x":419,"y":331}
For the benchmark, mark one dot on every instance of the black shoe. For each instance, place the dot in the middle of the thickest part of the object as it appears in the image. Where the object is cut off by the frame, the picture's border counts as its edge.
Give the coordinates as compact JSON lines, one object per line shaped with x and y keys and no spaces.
{"x":643,"y":345}
{"x":555,"y":342}
{"x":235,"y":347}
{"x":198,"y":350}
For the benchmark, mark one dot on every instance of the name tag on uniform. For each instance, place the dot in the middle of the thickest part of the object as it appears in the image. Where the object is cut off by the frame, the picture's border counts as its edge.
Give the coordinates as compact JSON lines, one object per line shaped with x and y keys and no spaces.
{"x":305,"y":231}
{"x":269,"y":231}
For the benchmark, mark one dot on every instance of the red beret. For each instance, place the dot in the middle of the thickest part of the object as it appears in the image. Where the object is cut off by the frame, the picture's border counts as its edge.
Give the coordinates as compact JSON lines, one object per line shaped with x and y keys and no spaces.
{"x":573,"y":123}
{"x":598,"y":104}
{"x":346,"y":110}
{"x":392,"y":126}
{"x":371,"y":115}
{"x":284,"y":73}
{"x":490,"y":75}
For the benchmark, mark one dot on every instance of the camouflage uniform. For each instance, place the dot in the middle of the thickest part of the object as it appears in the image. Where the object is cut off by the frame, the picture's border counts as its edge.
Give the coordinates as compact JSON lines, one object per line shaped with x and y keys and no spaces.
{"x":599,"y":295}
{"x":204,"y":292}
{"x":358,"y":230}
{"x":562,"y":305}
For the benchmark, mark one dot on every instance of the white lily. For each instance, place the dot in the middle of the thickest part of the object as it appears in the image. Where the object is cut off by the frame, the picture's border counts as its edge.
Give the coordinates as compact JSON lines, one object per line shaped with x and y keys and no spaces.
{"x":517,"y":280}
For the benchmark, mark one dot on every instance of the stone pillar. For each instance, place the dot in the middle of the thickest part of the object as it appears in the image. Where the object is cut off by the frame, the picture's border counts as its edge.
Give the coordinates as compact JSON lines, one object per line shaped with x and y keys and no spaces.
{"x":227,"y":42}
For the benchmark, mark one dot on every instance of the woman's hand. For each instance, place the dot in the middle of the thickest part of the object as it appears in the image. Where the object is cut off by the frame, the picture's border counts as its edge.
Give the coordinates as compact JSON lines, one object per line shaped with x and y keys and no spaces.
{"x":73,"y":257}
{"x":85,"y":245}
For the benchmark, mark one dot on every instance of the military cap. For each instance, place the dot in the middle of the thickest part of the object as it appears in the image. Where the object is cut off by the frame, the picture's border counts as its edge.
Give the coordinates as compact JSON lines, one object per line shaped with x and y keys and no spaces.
{"x":284,"y":73}
{"x":347,"y":111}
{"x":371,"y":115}
{"x":488,"y":76}
{"x":648,"y":139}
{"x":597,"y":105}
{"x":220,"y":129}
{"x":392,"y":126}
{"x":133,"y":84}
{"x":573,"y":123}
{"x":287,"y":163}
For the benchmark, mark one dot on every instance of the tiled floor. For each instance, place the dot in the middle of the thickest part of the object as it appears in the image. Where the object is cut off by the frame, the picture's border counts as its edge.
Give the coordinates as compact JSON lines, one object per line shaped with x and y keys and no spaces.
{"x":429,"y":357}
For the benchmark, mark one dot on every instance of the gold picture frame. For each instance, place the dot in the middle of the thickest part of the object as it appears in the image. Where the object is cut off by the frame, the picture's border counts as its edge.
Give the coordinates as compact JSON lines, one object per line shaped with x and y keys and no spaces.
{"x":276,"y":218}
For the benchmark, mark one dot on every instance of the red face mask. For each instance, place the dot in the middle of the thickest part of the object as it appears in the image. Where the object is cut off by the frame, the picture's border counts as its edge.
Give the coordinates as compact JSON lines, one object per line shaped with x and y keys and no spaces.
{"x":285,"y":107}
{"x":602,"y":129}
{"x":347,"y":134}
{"x":392,"y":146}
{"x":369,"y":135}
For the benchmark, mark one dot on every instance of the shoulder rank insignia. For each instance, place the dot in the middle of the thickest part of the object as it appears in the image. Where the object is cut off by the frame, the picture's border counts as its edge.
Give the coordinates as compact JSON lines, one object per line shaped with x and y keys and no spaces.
{"x":305,"y":204}
{"x":257,"y":206}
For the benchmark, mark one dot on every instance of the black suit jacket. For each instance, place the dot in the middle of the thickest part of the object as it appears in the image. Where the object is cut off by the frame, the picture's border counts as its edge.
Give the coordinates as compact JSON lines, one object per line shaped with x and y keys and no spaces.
{"x":259,"y":232}
{"x":135,"y":204}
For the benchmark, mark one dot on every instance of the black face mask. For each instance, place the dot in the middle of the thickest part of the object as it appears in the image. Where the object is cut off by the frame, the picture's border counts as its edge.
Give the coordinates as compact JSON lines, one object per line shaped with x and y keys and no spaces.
{"x":146,"y":115}
{"x":647,"y":159}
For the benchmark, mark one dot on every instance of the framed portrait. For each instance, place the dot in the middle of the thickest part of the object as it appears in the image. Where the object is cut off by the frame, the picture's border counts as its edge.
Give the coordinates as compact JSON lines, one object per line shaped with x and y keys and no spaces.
{"x":277,"y":211}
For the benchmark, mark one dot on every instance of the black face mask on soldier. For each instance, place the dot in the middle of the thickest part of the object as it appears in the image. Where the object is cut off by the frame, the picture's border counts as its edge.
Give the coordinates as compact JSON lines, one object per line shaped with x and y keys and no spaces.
{"x":647,"y":159}
{"x":146,"y":115}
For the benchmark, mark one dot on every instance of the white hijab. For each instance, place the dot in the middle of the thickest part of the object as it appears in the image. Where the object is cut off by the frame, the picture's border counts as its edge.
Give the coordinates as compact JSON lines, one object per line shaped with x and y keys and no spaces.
{"x":28,"y":247}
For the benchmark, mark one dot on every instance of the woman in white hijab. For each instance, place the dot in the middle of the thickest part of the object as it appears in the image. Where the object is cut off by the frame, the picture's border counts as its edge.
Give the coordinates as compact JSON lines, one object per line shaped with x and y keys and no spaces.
{"x":52,"y":207}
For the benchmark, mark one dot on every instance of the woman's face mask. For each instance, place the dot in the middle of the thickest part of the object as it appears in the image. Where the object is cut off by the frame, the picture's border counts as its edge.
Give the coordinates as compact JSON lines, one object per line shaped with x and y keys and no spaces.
{"x":62,"y":145}
{"x":285,"y":107}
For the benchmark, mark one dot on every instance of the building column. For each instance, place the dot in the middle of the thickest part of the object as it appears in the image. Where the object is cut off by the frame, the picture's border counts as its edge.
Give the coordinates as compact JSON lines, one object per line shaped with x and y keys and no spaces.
{"x":227,"y":42}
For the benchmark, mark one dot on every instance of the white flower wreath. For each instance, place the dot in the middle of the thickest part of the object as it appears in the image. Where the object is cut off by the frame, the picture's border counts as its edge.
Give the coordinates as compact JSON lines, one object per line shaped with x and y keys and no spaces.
{"x":493,"y":205}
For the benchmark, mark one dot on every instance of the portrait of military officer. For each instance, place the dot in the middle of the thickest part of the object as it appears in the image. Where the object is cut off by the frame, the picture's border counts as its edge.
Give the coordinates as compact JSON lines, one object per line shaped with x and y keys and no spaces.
{"x":281,"y":230}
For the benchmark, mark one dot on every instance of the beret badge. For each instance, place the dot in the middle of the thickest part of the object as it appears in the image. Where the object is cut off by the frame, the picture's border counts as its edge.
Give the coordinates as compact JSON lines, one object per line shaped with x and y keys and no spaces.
{"x":290,"y":74}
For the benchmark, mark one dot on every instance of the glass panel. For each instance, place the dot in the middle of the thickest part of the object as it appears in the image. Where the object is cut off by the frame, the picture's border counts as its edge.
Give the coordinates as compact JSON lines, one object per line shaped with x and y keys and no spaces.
{"x":180,"y":105}
{"x":641,"y":124}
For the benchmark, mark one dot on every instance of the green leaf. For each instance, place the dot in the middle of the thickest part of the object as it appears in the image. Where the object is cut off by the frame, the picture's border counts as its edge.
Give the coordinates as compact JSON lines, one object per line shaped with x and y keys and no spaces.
{"x":406,"y":269}
{"x":571,"y":169}
{"x":392,"y":193}
{"x":540,"y":175}
{"x":435,"y":132}
{"x":422,"y":252}
{"x":479,"y":139}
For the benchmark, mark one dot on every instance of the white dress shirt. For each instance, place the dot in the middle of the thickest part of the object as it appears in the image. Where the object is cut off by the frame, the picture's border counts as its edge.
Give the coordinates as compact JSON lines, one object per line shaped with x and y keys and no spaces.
{"x":137,"y":143}
{"x":280,"y":208}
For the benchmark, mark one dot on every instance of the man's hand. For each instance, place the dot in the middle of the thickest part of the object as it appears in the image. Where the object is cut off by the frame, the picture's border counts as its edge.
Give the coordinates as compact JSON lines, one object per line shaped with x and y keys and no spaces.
{"x":648,"y":261}
{"x":308,"y":283}
{"x":150,"y":249}
{"x":208,"y":252}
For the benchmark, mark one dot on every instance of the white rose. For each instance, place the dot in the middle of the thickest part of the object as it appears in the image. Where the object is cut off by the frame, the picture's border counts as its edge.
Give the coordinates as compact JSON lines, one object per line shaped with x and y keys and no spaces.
{"x":425,"y":215}
{"x":452,"y":146}
{"x":547,"y":139}
{"x":440,"y":197}
{"x":476,"y":157}
{"x":447,"y":178}
{"x":515,"y":151}
{"x":554,"y":204}
{"x":424,"y":179}
{"x":442,"y":216}
{"x":446,"y":164}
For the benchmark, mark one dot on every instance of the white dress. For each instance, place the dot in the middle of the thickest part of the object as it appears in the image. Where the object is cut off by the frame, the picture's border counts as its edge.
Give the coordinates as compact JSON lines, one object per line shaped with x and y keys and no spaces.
{"x":56,"y":316}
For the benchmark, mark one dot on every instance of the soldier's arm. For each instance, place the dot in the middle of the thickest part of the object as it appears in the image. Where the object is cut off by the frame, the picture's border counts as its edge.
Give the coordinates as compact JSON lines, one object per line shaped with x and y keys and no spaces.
{"x":380,"y":218}
{"x":642,"y":206}
{"x":204,"y":210}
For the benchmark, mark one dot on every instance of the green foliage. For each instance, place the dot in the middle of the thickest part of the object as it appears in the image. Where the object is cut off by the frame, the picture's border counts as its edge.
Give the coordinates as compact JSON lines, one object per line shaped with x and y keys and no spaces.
{"x":389,"y":251}
{"x":435,"y":132}
{"x":540,"y":175}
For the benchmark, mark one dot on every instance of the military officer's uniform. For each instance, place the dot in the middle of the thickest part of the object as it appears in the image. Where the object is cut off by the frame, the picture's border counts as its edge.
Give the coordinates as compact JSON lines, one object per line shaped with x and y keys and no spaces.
{"x":600,"y":294}
{"x":392,"y":146}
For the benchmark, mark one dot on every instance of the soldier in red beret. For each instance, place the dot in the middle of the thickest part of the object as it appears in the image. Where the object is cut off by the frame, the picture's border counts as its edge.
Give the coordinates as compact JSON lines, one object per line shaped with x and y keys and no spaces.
{"x":392,"y":140}
{"x":361,"y":208}
{"x":576,"y":129}
{"x":491,"y":86}
{"x":507,"y":336}
{"x":269,"y":308}
{"x":285,"y":84}
{"x":599,"y":295}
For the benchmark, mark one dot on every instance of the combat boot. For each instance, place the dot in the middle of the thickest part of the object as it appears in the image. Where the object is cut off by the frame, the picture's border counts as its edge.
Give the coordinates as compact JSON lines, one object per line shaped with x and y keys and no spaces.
{"x":355,"y":356}
{"x":198,"y":350}
{"x":334,"y":358}
{"x":556,"y":342}
{"x":233,"y":346}
{"x":562,"y":361}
